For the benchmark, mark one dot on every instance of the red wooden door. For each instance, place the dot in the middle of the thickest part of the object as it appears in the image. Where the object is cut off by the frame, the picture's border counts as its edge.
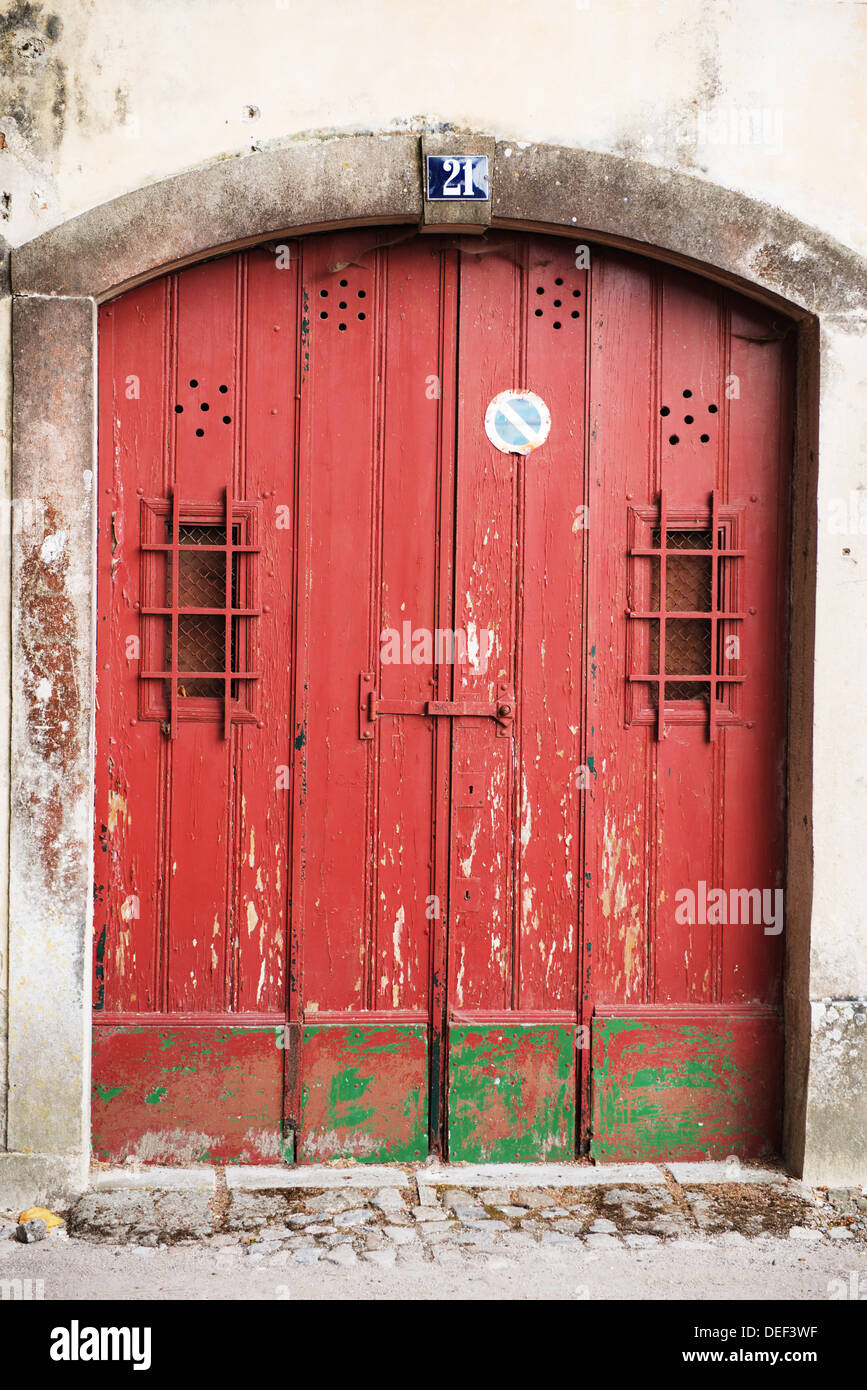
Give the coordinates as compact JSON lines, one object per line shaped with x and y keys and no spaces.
{"x":388,"y":831}
{"x":370,"y":793}
{"x":690,"y":460}
{"x":197,"y":432}
{"x":513,"y":947}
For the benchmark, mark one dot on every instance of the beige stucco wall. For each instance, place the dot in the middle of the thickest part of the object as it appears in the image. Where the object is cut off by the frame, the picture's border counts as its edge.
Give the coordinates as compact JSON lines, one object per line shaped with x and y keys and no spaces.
{"x":765,"y":97}
{"x":134,"y":90}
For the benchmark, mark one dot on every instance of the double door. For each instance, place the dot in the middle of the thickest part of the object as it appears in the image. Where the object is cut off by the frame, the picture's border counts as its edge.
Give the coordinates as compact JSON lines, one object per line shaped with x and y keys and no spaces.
{"x":437,"y":782}
{"x":420,"y":759}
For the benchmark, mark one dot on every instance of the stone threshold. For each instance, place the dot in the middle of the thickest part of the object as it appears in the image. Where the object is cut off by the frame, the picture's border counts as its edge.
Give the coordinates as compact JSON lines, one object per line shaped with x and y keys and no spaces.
{"x":374,"y":1177}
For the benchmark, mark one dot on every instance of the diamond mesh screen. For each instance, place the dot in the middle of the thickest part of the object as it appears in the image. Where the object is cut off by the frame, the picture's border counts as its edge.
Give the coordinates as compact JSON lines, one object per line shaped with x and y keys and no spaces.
{"x":696,"y":539}
{"x":201,"y":584}
{"x":687,"y":584}
{"x":199,"y":535}
{"x":687,"y":590}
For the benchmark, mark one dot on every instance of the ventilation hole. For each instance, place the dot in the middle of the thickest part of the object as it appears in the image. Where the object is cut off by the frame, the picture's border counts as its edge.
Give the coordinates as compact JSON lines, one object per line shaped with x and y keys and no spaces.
{"x":362,"y":294}
{"x":227,"y":419}
{"x":343,"y":284}
{"x":665,"y":410}
{"x":556,"y":325}
{"x":342,"y":304}
{"x":179,"y":410}
{"x":673,"y":439}
{"x":539,"y":289}
{"x":712,"y":409}
{"x":194,"y":384}
{"x":342,"y":327}
{"x":705,"y":439}
{"x":362,"y":316}
{"x":223,"y":390}
{"x":575,"y":314}
{"x":538,"y":313}
{"x":687,"y":419}
{"x":323,"y":294}
{"x":576,"y":294}
{"x":204,"y":406}
{"x":687,"y":394}
{"x":323,"y":315}
{"x":200,"y":433}
{"x":558,"y":303}
{"x":559,"y":280}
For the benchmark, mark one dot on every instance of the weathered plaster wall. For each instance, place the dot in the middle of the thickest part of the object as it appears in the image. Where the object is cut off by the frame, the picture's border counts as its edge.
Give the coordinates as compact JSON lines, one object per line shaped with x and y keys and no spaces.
{"x":50,"y":850}
{"x":761,"y":97}
{"x":105,"y":95}
{"x":5,"y":647}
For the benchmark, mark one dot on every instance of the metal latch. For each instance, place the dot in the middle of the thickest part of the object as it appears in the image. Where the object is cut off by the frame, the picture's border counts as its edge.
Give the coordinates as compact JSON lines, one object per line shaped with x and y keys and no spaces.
{"x":371,"y":708}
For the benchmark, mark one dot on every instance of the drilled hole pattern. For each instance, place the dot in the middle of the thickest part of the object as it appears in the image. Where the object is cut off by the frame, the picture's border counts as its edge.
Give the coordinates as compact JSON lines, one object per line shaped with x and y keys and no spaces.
{"x":344,"y":304}
{"x":197,"y":407}
{"x":687,"y":415}
{"x":556,"y":300}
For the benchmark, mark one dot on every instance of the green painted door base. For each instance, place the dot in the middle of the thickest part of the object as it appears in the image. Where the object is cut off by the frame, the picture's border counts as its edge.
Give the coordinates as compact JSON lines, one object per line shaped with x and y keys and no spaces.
{"x":671,"y":1086}
{"x":192,"y":1094}
{"x":364,"y":1093}
{"x":511,"y":1092}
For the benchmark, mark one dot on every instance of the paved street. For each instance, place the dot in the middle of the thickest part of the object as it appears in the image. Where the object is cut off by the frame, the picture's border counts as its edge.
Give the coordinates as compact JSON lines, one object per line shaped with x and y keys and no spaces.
{"x":395,"y":1233}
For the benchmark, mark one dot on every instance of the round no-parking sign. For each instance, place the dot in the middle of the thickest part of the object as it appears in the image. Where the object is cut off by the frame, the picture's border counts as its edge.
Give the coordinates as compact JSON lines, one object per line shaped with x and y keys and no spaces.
{"x":517,"y":422}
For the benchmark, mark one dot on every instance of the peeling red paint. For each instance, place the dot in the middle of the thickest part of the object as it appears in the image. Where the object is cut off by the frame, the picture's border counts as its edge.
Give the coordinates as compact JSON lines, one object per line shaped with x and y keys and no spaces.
{"x":418,"y":863}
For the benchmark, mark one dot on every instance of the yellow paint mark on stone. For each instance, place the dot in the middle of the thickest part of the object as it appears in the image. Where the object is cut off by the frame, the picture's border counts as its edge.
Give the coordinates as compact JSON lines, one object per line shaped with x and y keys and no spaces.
{"x":41,"y":1214}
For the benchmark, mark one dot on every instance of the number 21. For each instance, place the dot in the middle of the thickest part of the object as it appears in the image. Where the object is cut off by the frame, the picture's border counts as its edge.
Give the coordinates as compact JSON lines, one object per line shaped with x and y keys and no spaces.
{"x":451,"y":189}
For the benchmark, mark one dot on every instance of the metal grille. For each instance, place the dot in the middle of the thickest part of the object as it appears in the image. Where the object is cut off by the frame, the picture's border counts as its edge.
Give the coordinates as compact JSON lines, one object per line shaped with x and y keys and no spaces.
{"x":202,"y":584}
{"x":686,"y":617}
{"x":688,"y":588}
{"x":201,"y":608}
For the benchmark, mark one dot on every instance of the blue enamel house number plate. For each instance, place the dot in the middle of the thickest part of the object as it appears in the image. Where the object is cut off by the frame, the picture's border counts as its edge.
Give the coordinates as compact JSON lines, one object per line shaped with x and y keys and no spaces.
{"x":457,"y":178}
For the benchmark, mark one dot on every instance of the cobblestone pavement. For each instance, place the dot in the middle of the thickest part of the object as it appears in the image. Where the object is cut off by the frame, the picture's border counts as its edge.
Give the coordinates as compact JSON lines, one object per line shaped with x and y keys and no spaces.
{"x":429,"y":1225}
